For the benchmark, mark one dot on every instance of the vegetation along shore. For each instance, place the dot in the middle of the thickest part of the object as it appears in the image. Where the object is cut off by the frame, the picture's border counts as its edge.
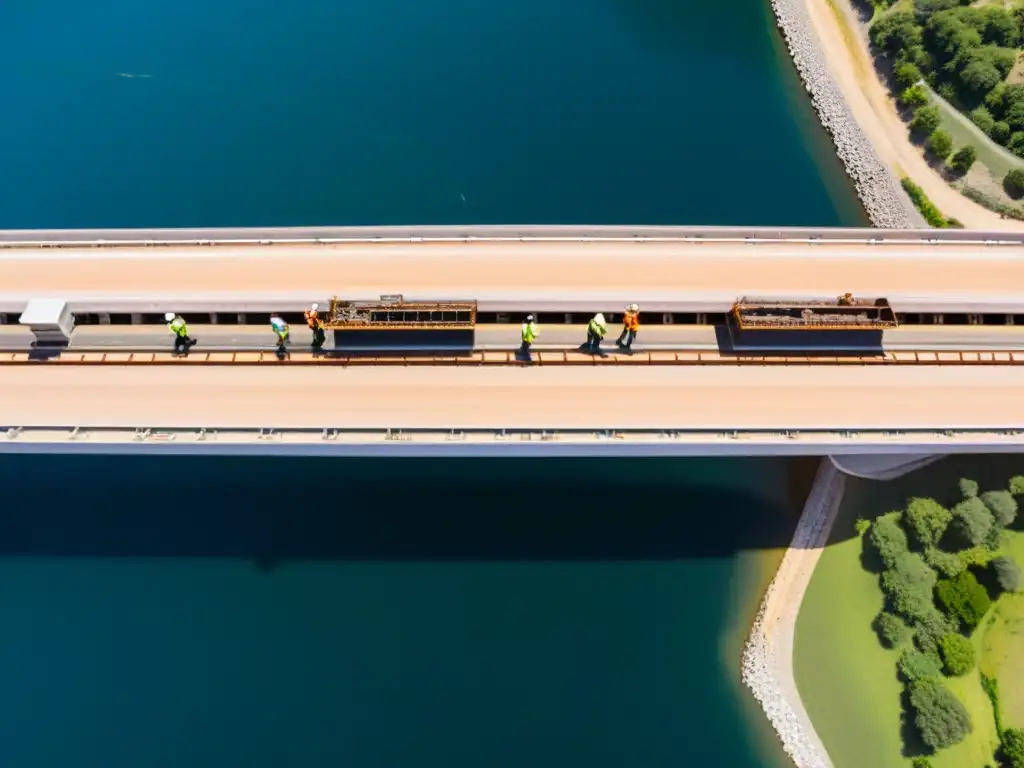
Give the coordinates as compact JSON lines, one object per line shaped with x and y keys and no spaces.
{"x":886,"y":206}
{"x":910,"y":640}
{"x":952,"y":56}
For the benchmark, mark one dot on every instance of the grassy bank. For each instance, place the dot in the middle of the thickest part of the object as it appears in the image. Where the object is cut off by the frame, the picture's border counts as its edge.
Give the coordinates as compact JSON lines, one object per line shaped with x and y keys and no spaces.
{"x":849,"y":681}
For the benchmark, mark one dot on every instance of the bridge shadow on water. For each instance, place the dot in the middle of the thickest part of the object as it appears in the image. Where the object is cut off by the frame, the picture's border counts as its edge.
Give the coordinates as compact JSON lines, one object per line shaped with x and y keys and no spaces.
{"x":274,"y":510}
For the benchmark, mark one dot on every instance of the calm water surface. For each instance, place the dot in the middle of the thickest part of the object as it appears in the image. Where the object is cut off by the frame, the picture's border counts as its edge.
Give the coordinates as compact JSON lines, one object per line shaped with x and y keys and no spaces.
{"x":123,"y":113}
{"x":434,"y":613}
{"x":259,"y":613}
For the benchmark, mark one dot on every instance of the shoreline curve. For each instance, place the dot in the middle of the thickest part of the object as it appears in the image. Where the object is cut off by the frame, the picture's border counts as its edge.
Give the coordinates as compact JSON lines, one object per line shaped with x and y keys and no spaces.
{"x":767,"y":666}
{"x":886,"y":204}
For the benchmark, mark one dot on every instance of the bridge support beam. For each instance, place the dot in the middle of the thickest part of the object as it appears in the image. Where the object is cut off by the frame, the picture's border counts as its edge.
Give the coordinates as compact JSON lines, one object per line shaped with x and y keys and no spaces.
{"x":882,"y":466}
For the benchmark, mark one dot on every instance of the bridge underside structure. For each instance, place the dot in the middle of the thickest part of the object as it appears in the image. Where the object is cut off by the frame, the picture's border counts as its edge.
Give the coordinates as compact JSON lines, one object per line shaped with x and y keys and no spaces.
{"x":911,"y":413}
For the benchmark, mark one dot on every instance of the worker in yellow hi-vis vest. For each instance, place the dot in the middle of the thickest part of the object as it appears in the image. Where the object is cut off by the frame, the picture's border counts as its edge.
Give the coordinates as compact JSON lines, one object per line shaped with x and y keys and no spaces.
{"x":182,"y":341}
{"x":596,"y":331}
{"x":529,"y":334}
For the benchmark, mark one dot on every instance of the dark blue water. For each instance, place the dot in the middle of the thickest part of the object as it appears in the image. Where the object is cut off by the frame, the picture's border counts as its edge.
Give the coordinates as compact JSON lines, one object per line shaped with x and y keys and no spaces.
{"x":398,"y":112}
{"x":390,"y":613}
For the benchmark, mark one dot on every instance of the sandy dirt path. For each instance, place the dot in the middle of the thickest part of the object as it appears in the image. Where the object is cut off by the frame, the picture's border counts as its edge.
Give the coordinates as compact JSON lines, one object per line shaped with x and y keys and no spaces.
{"x":850,"y":63}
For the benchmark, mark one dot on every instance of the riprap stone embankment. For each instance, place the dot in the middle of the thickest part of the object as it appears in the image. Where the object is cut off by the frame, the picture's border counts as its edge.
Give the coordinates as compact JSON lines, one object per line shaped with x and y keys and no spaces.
{"x":768,"y":656}
{"x":885,"y":202}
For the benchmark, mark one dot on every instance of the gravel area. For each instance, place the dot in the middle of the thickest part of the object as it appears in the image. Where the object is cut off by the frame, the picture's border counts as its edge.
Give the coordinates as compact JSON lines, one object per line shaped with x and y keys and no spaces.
{"x":768,"y":655}
{"x":879,"y":191}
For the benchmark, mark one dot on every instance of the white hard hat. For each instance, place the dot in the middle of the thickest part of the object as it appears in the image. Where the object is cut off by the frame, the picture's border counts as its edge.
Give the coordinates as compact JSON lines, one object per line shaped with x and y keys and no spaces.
{"x":600,"y":318}
{"x":529,"y":318}
{"x":634,"y":308}
{"x":168,"y":316}
{"x":315,"y":307}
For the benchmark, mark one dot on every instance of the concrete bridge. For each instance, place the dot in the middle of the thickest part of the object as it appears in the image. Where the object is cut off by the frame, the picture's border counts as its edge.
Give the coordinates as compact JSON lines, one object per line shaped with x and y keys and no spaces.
{"x":608,"y":410}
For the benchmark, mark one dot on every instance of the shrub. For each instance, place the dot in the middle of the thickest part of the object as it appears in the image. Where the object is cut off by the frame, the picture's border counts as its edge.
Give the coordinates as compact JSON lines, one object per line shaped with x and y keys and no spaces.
{"x":909,"y":584}
{"x":1008,"y":574}
{"x":926,"y":120}
{"x":1013,"y":182}
{"x":1017,"y":485}
{"x":920,"y":762}
{"x":914,"y":96}
{"x":923,"y":204}
{"x":907,"y":74}
{"x":946,"y":563}
{"x":1000,"y":132}
{"x":957,"y":654}
{"x":1002,"y":505}
{"x":1013,"y":747}
{"x":888,"y":538}
{"x":892,"y":630}
{"x":926,"y":520}
{"x":914,"y":665}
{"x":983,"y":119}
{"x":963,"y":598}
{"x":929,"y":629}
{"x":972,"y":522}
{"x":939,"y":715}
{"x":968,"y":487}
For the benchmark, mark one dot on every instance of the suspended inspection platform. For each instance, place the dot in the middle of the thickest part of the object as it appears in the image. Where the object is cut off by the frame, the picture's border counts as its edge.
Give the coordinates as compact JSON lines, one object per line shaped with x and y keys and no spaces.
{"x":844,"y":324}
{"x":396,"y":325}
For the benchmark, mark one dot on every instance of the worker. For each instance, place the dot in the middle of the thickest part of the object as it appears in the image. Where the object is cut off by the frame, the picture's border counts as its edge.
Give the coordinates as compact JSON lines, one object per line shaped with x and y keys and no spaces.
{"x":182,"y":341}
{"x":596,"y":331}
{"x":846,"y":300}
{"x":316,"y":325}
{"x":529,"y":335}
{"x":281,"y":329}
{"x":630,"y":325}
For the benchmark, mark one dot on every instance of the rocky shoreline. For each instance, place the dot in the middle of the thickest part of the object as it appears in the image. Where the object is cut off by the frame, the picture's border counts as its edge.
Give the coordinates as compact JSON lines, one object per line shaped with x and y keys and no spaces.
{"x":767,"y":667}
{"x":883,"y":200}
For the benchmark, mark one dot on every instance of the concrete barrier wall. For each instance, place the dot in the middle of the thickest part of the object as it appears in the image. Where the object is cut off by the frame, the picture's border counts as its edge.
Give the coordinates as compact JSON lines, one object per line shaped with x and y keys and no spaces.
{"x":271,"y":235}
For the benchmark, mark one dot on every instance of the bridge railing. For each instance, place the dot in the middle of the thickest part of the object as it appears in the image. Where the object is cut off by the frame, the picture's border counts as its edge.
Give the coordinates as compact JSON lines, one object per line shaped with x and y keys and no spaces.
{"x":94,"y":238}
{"x":830,"y":440}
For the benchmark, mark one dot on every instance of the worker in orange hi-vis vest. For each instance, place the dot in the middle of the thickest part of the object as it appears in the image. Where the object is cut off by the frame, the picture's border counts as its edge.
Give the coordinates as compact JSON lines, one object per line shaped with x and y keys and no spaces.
{"x":316,"y":325}
{"x":630,"y":325}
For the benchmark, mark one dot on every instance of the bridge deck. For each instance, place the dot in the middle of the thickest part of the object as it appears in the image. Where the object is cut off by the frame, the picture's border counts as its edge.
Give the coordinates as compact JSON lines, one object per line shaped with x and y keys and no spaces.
{"x":821,"y":397}
{"x":544,"y":271}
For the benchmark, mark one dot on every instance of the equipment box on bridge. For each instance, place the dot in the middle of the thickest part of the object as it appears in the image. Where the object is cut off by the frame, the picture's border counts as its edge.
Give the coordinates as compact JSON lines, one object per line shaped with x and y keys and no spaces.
{"x":837,"y":325}
{"x":394,"y":324}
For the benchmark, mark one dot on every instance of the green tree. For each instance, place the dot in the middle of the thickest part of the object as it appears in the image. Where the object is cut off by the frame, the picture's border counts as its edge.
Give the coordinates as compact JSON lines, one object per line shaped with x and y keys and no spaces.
{"x":982,"y":118}
{"x":929,"y":629}
{"x":914,"y":665}
{"x":994,"y":100}
{"x":1002,"y":505}
{"x":957,"y":654}
{"x":946,"y":563}
{"x":1000,"y":132}
{"x":1008,"y":573}
{"x":980,"y":76}
{"x":1017,"y":485}
{"x":963,"y":159}
{"x":926,"y":119}
{"x":964,"y":599}
{"x":888,"y":538}
{"x":1013,"y":747}
{"x":907,"y":74}
{"x":892,"y":630}
{"x":920,"y":762}
{"x":909,"y":584}
{"x":968,"y":487}
{"x":914,"y":96}
{"x":1001,"y":28}
{"x":972,"y":522}
{"x":1013,"y":182}
{"x":895,"y":32}
{"x":926,"y":519}
{"x":939,"y":144}
{"x":938,"y":714}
